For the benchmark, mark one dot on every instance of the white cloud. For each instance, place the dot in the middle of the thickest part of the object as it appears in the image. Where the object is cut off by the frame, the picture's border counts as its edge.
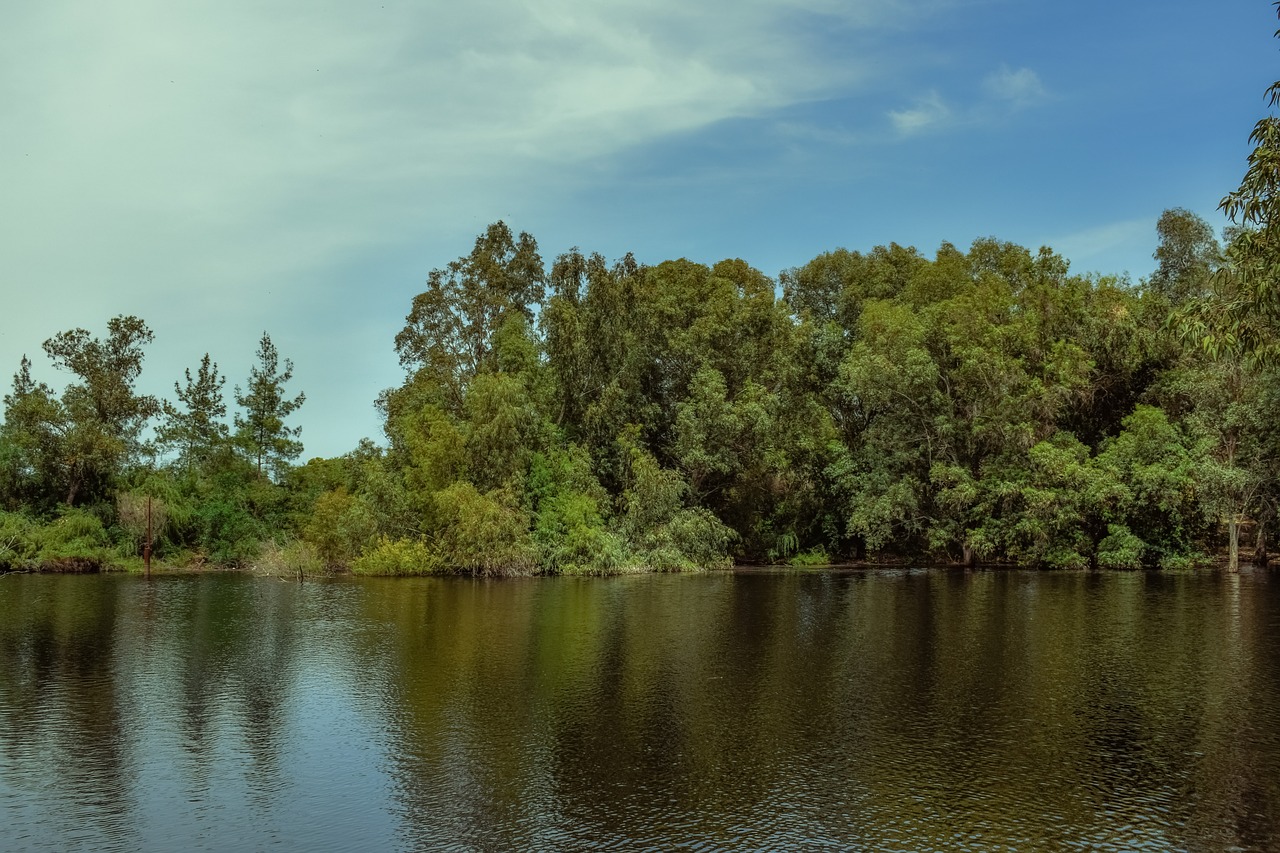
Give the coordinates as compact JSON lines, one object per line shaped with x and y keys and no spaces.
{"x":1021,"y":86}
{"x":927,"y":112}
{"x":203,"y":163}
{"x":243,"y":137}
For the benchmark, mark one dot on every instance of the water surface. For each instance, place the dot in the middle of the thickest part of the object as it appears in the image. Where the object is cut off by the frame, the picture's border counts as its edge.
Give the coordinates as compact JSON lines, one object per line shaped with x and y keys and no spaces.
{"x":878,"y":711}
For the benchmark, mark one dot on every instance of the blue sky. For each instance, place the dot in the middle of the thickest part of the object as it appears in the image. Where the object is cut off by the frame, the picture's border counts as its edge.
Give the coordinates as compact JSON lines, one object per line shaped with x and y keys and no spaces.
{"x":224,"y":168}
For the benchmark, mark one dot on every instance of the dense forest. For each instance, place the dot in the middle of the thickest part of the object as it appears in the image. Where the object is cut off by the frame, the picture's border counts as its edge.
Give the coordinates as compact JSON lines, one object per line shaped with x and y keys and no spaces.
{"x":592,"y":417}
{"x":977,"y":406}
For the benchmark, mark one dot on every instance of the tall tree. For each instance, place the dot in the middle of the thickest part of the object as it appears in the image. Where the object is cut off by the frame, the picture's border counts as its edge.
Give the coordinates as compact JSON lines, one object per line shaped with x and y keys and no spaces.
{"x":196,"y":429}
{"x":1188,"y":254}
{"x":1251,"y":317}
{"x":88,"y":436}
{"x":261,"y":431}
{"x":34,"y":438}
{"x":448,"y":333}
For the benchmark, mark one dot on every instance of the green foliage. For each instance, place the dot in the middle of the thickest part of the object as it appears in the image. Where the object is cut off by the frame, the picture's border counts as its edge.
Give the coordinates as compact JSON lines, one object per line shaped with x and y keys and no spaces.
{"x":979,"y":404}
{"x":434,"y":452}
{"x":449,"y":332}
{"x":228,"y":532}
{"x":1120,"y":549}
{"x":399,"y":557}
{"x":1158,"y":466}
{"x":72,"y":448}
{"x":196,"y":430}
{"x":812,"y":557}
{"x":571,"y":537}
{"x":261,"y":433}
{"x":701,"y":538}
{"x":501,"y":423}
{"x":483,"y":534}
{"x":339,"y":528}
{"x":19,"y":541}
{"x":294,"y":559}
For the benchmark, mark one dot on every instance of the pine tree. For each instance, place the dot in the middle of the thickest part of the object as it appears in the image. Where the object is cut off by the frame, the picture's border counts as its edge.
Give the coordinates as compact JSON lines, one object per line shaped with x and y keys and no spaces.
{"x":261,"y":432}
{"x":196,"y":431}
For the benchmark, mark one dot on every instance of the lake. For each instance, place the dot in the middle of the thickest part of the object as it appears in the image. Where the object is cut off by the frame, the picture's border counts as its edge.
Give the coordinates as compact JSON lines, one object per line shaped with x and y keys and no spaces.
{"x":854,"y":710}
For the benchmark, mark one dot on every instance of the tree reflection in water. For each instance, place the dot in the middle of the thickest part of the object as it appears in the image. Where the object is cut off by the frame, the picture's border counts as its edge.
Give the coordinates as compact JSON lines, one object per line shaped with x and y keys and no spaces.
{"x":909,"y":709}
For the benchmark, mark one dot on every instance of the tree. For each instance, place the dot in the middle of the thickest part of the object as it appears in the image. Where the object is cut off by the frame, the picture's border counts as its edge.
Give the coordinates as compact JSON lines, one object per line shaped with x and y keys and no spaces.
{"x":448,"y":333}
{"x":34,"y":437}
{"x":1188,"y":255}
{"x":73,"y":447}
{"x":197,"y":430}
{"x":1228,"y":413}
{"x":1250,"y":317}
{"x":261,"y":432}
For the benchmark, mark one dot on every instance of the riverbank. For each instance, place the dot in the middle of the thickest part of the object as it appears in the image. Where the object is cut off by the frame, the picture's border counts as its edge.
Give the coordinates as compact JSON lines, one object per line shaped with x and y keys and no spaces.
{"x":276,"y":563}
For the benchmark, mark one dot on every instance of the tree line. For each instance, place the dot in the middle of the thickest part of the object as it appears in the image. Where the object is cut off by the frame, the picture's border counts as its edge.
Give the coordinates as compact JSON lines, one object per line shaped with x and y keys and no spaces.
{"x":77,"y":466}
{"x":979,"y":405}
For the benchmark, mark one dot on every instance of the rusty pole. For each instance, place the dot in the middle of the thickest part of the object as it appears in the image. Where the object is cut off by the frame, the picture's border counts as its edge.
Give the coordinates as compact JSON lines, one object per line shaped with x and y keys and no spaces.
{"x":146,"y":549}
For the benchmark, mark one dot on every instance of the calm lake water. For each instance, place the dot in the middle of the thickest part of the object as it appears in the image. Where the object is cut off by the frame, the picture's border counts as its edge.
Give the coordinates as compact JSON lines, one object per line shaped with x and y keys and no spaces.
{"x":878,"y":711}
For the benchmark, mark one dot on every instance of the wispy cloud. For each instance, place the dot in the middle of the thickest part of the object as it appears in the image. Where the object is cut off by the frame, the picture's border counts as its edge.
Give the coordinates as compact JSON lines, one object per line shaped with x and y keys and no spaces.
{"x":1020,"y":87}
{"x":928,"y":111}
{"x":1001,"y":91}
{"x":206,"y":163}
{"x":1091,"y":247}
{"x":148,"y":129}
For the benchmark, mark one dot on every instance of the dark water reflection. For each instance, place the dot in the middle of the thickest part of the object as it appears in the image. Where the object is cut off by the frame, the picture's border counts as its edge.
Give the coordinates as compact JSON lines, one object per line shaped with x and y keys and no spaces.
{"x":862,"y":711}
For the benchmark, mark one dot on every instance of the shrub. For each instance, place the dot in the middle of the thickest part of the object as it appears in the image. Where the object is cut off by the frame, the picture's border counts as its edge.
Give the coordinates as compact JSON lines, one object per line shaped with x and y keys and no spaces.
{"x":19,"y":541}
{"x":484,"y":534}
{"x":813,"y":557}
{"x":75,"y":541}
{"x":291,"y":560}
{"x":572,"y":539}
{"x":702,"y":538}
{"x":1120,"y":549}
{"x":339,"y":527}
{"x":228,"y":532}
{"x":131,"y":512}
{"x":398,"y":557}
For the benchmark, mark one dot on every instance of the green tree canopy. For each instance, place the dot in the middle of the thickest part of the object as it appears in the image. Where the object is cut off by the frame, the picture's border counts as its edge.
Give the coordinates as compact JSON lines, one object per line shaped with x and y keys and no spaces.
{"x":196,"y":429}
{"x":261,"y":432}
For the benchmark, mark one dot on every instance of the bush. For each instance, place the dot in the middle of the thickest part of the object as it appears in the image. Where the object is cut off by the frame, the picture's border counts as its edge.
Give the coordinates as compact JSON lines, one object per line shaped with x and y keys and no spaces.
{"x":229,"y":534}
{"x":1120,"y":549}
{"x":702,"y":538}
{"x":19,"y":541}
{"x":398,"y":557}
{"x":572,"y":539}
{"x":75,"y":541}
{"x":291,"y":560}
{"x":339,"y":528}
{"x":813,"y":557}
{"x":484,"y":534}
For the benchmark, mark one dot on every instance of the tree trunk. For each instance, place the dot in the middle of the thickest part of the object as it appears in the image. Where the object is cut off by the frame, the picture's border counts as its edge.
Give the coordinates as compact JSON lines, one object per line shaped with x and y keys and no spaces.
{"x":1260,"y":539}
{"x":1233,"y":548}
{"x":970,"y":557}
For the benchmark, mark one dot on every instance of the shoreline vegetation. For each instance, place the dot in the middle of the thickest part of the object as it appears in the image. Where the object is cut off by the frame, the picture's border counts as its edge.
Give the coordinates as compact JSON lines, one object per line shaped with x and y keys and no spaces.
{"x":985,"y":406}
{"x":977,"y":407}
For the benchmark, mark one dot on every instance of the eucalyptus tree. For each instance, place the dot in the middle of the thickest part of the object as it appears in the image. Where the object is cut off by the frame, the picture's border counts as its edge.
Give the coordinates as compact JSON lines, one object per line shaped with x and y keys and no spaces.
{"x":1250,"y":319}
{"x":448,"y":333}
{"x":1187,"y":255}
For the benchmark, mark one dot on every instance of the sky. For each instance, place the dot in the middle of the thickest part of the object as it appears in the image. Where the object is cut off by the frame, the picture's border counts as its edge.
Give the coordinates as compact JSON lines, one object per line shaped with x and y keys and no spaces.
{"x":298,"y":167}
